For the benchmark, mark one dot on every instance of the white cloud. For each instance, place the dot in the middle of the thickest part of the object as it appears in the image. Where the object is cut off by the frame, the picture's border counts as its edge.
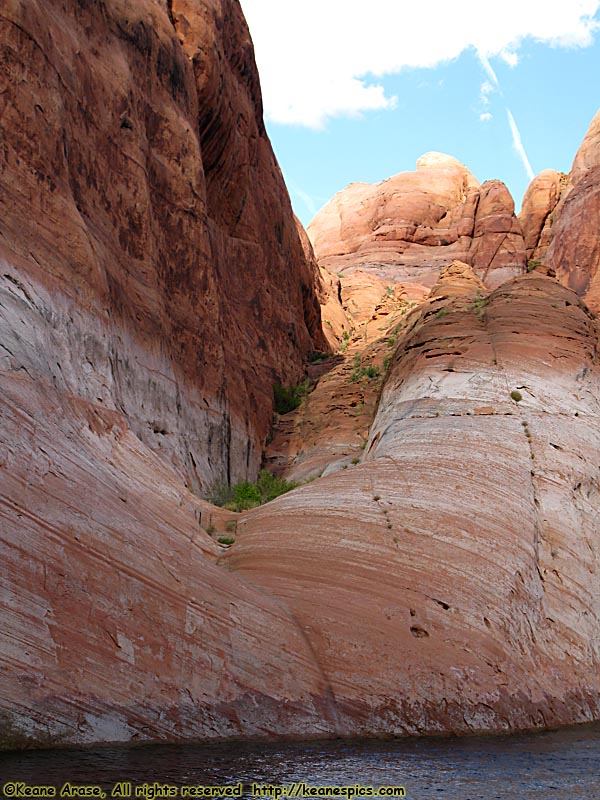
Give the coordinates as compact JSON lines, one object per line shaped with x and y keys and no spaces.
{"x":486,"y":90}
{"x":324,"y":58}
{"x":510,"y":57}
{"x":485,"y":63}
{"x":485,"y":117}
{"x":518,"y":145}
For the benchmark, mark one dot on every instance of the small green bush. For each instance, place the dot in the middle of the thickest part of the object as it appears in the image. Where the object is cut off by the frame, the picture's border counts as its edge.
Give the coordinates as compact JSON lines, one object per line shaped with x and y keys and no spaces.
{"x":226,"y":540}
{"x":532,"y":264}
{"x":478,"y":304}
{"x":287,"y":398}
{"x":359,"y":372}
{"x":516,"y":396}
{"x":245,"y":495}
{"x":271,"y":486}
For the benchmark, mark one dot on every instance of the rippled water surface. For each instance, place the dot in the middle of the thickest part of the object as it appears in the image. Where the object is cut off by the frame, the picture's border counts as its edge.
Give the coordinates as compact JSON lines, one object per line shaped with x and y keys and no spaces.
{"x":560,"y":764}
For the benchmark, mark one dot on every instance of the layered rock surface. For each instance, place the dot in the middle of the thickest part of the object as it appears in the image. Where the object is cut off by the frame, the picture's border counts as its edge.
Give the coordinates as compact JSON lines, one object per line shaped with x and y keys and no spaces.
{"x":118,"y":623}
{"x":153,"y":288}
{"x":409,"y":226}
{"x":150,"y":260}
{"x":538,"y":212}
{"x":572,"y":246}
{"x":447,"y":582}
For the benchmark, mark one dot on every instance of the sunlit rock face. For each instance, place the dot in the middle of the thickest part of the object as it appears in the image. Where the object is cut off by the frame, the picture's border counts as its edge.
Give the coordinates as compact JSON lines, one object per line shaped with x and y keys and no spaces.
{"x":448,"y":582}
{"x":407,"y":227}
{"x":538,"y":212}
{"x":574,"y":238}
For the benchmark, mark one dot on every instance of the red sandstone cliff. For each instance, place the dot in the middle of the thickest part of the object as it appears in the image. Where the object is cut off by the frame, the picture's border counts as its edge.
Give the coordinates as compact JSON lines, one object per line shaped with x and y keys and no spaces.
{"x":571,"y":243}
{"x":150,"y":260}
{"x":448,"y":581}
{"x":407,"y":227}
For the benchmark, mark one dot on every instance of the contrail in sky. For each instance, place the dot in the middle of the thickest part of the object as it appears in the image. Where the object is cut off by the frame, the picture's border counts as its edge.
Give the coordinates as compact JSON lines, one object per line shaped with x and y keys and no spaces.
{"x":518,"y":145}
{"x":516,"y":136}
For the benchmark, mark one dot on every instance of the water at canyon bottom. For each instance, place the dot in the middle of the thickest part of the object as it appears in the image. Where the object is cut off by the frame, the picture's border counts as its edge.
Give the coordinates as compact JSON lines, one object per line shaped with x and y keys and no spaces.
{"x":558,"y":764}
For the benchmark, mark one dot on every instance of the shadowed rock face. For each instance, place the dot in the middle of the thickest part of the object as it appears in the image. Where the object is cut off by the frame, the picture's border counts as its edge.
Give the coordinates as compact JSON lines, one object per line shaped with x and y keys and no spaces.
{"x":409,"y":226}
{"x":150,"y":260}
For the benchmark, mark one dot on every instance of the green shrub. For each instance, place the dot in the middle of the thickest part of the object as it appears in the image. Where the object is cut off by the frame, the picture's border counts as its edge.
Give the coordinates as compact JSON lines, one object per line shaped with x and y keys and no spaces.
{"x":271,"y":486}
{"x":245,"y":495}
{"x":287,"y":398}
{"x":359,"y":372}
{"x":516,"y":396}
{"x":225,"y":540}
{"x":532,"y":264}
{"x":478,"y":304}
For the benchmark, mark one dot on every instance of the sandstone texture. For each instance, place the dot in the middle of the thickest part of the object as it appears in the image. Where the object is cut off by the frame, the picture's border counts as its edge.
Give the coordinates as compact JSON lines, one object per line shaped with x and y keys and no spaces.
{"x":118,"y":623}
{"x":407,"y":227}
{"x":574,"y":244}
{"x":150,"y":260}
{"x":538,"y":211}
{"x":448,"y":582}
{"x":438,"y":572}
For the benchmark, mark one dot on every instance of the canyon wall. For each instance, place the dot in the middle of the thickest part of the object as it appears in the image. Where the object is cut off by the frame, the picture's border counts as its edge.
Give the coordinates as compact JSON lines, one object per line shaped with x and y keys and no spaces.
{"x":440,"y":576}
{"x":570,"y":243}
{"x":150,"y":259}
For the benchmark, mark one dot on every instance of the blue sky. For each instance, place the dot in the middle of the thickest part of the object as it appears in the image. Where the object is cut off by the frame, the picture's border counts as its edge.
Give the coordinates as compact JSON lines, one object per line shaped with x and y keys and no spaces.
{"x":350,"y":98}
